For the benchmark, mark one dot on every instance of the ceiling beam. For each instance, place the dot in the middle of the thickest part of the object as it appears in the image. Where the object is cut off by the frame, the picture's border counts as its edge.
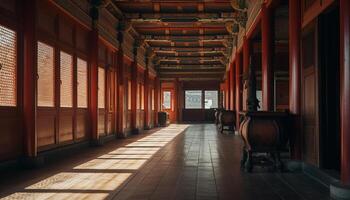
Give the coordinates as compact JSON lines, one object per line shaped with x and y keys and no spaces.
{"x":188,"y":49}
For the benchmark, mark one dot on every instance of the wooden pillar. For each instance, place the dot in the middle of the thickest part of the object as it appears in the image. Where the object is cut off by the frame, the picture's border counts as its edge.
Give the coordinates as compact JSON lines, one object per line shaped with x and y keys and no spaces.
{"x":175,"y":100}
{"x":294,"y":75}
{"x":246,"y":54}
{"x":246,"y":60}
{"x":238,"y":64}
{"x":146,"y":97}
{"x":227,"y":91}
{"x":29,"y":82}
{"x":93,"y":56}
{"x":345,"y":90}
{"x":232,"y":85}
{"x":157,"y":90}
{"x":267,"y":40}
{"x":121,"y":105}
{"x":134,"y":77}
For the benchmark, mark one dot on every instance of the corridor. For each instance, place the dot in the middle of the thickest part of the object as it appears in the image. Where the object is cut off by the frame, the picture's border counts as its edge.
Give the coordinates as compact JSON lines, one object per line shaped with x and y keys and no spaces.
{"x":176,"y":162}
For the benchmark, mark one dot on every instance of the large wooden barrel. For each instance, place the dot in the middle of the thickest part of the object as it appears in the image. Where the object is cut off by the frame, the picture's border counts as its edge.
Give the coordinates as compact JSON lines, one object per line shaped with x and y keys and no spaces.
{"x":163,"y":118}
{"x":227,"y":120}
{"x":217,"y":115}
{"x":264,"y":130}
{"x":227,"y":117}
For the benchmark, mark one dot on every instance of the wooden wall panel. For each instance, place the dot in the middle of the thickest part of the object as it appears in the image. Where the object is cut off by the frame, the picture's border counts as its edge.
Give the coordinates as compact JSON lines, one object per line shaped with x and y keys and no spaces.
{"x":11,"y":139}
{"x":101,"y":122}
{"x":46,"y":19}
{"x":66,"y":31}
{"x":66,"y":126}
{"x":8,"y":5}
{"x":46,"y":123}
{"x":82,"y":40}
{"x":81,"y":124}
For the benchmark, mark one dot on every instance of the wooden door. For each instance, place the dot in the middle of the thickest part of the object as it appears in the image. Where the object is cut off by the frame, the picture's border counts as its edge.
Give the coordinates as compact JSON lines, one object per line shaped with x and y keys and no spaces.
{"x":111,"y":80}
{"x":168,"y":103}
{"x":309,"y":97}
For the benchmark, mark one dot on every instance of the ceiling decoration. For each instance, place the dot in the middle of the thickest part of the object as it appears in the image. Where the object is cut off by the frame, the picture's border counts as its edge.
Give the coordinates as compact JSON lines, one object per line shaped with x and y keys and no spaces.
{"x":184,"y":36}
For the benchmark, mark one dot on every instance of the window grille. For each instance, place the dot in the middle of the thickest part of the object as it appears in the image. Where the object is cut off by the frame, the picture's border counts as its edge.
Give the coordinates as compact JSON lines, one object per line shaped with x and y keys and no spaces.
{"x":66,"y":75}
{"x":129,"y":95}
{"x":82,"y":80}
{"x":8,"y":67}
{"x":46,"y":73}
{"x":101,"y":87}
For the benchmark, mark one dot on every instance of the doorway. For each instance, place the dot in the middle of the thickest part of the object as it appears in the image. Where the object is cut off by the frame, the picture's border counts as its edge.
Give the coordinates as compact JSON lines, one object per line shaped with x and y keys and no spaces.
{"x":329,"y":85}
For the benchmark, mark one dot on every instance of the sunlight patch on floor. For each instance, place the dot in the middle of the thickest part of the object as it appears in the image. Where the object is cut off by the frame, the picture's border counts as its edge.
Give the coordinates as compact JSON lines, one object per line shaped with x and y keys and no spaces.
{"x":98,"y":178}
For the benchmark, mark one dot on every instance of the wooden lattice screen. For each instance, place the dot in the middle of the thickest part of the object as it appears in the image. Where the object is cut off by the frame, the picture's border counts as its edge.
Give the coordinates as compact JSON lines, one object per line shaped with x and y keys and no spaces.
{"x":66,"y":75}
{"x":82,"y":80}
{"x":101,"y":87}
{"x":8,"y":67}
{"x":46,"y":73}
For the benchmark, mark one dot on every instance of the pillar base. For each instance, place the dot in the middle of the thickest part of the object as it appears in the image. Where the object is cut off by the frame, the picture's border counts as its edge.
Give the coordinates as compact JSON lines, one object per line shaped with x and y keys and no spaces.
{"x":121,"y":135}
{"x":32,"y":162}
{"x":339,"y":191}
{"x":97,"y":143}
{"x":135,"y":131}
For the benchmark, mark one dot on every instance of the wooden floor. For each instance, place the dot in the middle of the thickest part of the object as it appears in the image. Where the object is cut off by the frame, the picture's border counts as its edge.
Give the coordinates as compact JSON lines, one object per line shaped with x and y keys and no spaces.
{"x":171,"y":163}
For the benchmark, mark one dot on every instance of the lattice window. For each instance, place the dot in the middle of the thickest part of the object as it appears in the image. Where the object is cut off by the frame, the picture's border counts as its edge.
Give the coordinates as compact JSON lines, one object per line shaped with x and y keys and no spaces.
{"x":66,"y":74}
{"x":8,"y":67}
{"x":152,"y":99}
{"x":129,"y":95}
{"x":82,"y":83}
{"x":46,"y":75}
{"x":142,"y":97}
{"x":101,"y":87}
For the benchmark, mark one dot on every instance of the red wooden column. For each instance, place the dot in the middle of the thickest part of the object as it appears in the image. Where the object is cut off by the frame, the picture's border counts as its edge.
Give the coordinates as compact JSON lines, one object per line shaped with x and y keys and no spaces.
{"x":232,"y":85}
{"x":267,"y":40}
{"x":93,"y":56}
{"x":227,"y":92}
{"x":246,"y":62}
{"x":146,"y":97}
{"x":29,"y":82}
{"x":121,"y":105}
{"x":238,"y":64}
{"x":134,"y":76}
{"x":246,"y":54}
{"x":345,"y":90}
{"x":294,"y":74}
{"x":157,"y":90}
{"x":175,"y":99}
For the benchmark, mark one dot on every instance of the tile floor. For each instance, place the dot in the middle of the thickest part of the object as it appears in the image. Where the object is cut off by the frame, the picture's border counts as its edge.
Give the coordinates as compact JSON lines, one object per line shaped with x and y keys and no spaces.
{"x":177,"y":162}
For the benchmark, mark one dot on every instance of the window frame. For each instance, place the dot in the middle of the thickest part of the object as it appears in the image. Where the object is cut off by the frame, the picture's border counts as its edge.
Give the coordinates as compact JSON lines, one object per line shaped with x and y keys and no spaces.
{"x":201,"y":101}
{"x":217,"y":98}
{"x":171,"y":102}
